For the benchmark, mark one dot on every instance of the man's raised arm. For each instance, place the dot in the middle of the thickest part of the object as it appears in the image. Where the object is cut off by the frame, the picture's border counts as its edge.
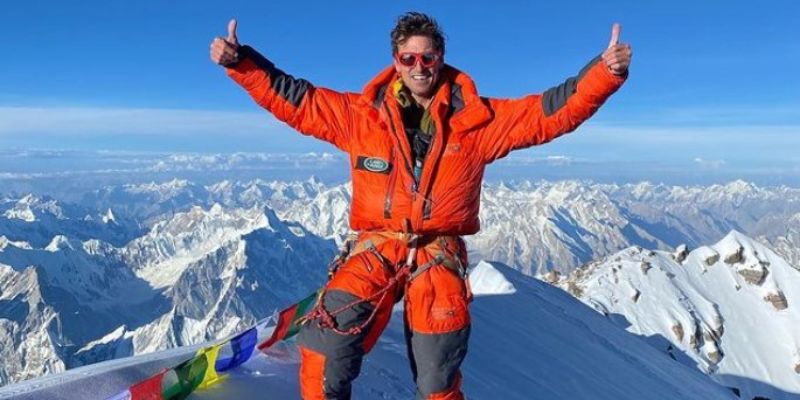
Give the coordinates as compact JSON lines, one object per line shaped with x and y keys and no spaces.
{"x":319,"y":112}
{"x":540,"y":118}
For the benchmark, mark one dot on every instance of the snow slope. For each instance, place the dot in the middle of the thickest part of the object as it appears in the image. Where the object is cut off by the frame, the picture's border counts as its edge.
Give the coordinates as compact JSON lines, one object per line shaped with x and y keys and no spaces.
{"x":731,"y":309}
{"x":529,"y":341}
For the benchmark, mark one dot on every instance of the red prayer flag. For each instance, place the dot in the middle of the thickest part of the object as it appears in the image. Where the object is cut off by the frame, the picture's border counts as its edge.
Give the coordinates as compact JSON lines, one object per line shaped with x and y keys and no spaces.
{"x":287,"y":321}
{"x":149,"y":389}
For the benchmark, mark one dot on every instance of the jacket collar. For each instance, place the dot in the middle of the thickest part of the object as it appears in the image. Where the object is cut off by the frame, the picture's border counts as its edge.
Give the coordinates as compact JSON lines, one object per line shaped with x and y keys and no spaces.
{"x":457,"y":97}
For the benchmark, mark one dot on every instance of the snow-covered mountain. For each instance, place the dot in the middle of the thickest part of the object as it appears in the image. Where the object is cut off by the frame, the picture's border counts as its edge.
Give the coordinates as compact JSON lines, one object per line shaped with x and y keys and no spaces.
{"x":36,"y":220}
{"x":192,"y":278}
{"x":786,"y":240}
{"x":544,"y":226}
{"x":731,"y":309}
{"x":529,"y":340}
{"x":152,"y":202}
{"x":52,"y":298}
{"x":577,"y":221}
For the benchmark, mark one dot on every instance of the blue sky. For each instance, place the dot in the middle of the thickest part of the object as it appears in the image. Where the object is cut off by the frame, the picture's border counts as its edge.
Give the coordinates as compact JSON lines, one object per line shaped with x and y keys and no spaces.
{"x":713,"y":84}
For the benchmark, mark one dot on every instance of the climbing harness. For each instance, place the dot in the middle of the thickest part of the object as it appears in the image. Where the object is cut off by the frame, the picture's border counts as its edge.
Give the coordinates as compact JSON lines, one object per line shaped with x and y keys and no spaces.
{"x":353,"y":247}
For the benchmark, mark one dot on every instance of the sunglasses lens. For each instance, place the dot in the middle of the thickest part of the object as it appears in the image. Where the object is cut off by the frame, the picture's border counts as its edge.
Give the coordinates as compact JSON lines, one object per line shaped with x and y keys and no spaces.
{"x":428,"y":59}
{"x":407,"y":59}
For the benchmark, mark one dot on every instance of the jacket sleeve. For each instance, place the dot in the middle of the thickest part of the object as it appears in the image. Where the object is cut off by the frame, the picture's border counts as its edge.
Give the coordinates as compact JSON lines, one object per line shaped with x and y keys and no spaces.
{"x":319,"y":112}
{"x":540,"y":118}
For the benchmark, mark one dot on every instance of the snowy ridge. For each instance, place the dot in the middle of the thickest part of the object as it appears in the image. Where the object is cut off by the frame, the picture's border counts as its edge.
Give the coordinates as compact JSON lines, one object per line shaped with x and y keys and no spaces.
{"x":161,"y":256}
{"x":28,"y":206}
{"x":37,"y":220}
{"x":730,"y":309}
{"x":524,"y":345}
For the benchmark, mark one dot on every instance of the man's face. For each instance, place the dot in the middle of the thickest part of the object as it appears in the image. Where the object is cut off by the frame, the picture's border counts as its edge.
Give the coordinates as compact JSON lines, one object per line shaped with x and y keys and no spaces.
{"x":419,"y":79}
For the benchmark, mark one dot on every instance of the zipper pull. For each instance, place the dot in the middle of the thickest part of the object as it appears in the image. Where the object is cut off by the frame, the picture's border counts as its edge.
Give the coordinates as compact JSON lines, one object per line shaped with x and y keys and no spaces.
{"x":417,"y":170}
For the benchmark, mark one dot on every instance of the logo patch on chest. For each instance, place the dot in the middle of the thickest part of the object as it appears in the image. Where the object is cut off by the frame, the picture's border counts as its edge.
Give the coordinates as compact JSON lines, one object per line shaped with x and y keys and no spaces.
{"x":373,"y":164}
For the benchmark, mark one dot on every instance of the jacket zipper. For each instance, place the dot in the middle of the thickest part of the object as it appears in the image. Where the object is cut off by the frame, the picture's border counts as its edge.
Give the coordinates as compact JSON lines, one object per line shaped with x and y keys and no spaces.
{"x":387,"y":202}
{"x":427,"y":204}
{"x":405,"y":159}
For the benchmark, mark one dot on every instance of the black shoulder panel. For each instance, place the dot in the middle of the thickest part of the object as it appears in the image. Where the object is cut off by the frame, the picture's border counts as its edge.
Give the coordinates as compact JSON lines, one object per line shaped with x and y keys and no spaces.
{"x":379,"y":97}
{"x":556,"y":97}
{"x":287,"y":86}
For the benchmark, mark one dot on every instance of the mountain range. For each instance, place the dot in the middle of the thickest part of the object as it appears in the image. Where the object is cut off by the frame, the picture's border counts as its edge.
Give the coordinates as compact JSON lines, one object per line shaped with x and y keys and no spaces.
{"x":134,"y":269}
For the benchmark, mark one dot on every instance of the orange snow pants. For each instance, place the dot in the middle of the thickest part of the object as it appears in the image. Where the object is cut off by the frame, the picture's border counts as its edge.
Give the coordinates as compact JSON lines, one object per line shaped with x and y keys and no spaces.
{"x":437,"y":322}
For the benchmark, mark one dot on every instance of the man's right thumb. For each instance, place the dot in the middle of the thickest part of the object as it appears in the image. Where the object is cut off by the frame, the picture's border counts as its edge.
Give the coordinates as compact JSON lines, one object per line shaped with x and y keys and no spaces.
{"x":232,"y":32}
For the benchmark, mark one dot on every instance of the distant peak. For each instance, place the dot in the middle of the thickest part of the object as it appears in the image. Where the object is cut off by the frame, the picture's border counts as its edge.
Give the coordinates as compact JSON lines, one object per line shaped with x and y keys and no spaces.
{"x":735,"y":237}
{"x":739,"y":186}
{"x":21,"y":211}
{"x":29,"y":199}
{"x":109,"y":217}
{"x":59,"y":242}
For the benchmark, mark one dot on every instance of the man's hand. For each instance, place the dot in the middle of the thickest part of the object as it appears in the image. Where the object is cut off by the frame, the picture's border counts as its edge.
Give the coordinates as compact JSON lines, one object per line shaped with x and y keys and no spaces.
{"x":617,"y":56}
{"x":225,"y":51}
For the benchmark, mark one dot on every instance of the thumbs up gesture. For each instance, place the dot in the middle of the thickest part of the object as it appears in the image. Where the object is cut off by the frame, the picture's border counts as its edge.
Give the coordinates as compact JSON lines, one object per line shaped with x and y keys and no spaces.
{"x":224,"y":51}
{"x":617,"y":56}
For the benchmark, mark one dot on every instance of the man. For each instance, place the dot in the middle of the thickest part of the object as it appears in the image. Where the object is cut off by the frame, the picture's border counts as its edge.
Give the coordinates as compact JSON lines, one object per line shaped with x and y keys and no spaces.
{"x":419,"y":137}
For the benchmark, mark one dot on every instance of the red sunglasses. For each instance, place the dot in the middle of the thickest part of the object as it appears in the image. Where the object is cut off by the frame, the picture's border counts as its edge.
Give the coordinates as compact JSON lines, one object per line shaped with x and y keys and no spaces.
{"x":409,"y":59}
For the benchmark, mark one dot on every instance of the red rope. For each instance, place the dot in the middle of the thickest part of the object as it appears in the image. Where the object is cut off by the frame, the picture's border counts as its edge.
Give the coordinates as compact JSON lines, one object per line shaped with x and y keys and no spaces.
{"x":326,"y":318}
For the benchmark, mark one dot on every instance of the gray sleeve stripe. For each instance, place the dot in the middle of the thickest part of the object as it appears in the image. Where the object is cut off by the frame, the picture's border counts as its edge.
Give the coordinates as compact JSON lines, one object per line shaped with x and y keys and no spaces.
{"x":288,"y":87}
{"x":556,"y":97}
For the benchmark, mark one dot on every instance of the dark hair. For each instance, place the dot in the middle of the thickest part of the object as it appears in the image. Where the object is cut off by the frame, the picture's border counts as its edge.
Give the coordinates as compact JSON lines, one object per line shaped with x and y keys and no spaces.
{"x":416,"y":24}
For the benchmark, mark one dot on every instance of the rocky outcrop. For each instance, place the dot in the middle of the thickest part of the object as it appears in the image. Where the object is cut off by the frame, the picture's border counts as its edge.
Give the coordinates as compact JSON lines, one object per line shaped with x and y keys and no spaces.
{"x":646,"y":266}
{"x":574,"y":289}
{"x":680,"y":254}
{"x":677,"y":329}
{"x":552,"y":277}
{"x":735,"y":257}
{"x":714,"y":356}
{"x":778,"y":300}
{"x":754,"y":276}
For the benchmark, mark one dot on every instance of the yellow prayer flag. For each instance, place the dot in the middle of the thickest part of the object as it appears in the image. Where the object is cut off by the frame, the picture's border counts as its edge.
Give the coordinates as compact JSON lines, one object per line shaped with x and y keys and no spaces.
{"x":211,"y":377}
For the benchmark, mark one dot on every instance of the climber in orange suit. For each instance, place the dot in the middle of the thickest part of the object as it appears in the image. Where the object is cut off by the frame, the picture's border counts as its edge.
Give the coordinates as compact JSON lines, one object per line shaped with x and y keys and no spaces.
{"x":419,"y":137}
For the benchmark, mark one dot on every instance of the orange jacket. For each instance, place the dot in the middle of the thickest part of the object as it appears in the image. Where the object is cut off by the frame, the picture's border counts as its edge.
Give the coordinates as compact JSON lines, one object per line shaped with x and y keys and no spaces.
{"x":471,"y":131}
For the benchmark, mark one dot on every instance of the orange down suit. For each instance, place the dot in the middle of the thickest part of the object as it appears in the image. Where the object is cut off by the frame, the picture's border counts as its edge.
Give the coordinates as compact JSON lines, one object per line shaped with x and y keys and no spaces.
{"x":388,"y":204}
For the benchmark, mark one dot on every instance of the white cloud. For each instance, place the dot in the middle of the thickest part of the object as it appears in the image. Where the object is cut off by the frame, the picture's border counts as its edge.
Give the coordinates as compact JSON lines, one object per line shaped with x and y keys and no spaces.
{"x":712,"y":164}
{"x":521,"y":160}
{"x":143,"y":163}
{"x":145,"y":121}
